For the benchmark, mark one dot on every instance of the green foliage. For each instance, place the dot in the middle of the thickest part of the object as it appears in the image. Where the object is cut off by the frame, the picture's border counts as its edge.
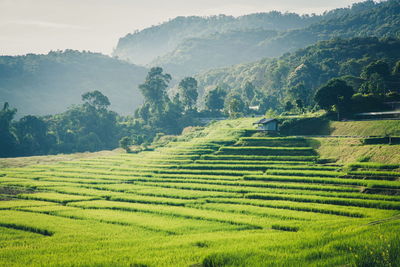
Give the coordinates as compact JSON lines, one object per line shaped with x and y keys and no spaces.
{"x":33,"y":136}
{"x":381,"y":140}
{"x":235,"y":107}
{"x":288,"y":106}
{"x":50,"y":83}
{"x":96,"y":100}
{"x":373,"y":165}
{"x":158,"y":113}
{"x":125,"y":142}
{"x":214,"y":100}
{"x":188,"y":92}
{"x":7,"y":139}
{"x":335,"y":93}
{"x":184,"y":45}
{"x":191,"y":38}
{"x":298,"y":75}
{"x":87,"y":127}
{"x":155,"y":86}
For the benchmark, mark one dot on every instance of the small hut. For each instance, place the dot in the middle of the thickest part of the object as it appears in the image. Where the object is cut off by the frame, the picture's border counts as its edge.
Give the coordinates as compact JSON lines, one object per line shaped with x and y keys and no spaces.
{"x":270,"y":125}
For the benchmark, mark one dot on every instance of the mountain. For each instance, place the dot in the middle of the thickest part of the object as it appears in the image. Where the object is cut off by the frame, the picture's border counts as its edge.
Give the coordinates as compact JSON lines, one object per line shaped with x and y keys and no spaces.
{"x":299,"y":74}
{"x":366,"y":19}
{"x":185,"y":46}
{"x":214,"y":51}
{"x":48,"y":84}
{"x":142,"y":47}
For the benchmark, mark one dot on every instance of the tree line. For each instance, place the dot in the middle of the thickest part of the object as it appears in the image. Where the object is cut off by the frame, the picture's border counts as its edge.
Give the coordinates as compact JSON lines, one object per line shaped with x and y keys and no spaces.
{"x":92,"y":126}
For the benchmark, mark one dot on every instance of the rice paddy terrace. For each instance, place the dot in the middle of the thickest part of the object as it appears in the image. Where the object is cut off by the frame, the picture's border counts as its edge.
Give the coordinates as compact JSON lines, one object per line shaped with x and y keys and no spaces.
{"x":219,"y":197}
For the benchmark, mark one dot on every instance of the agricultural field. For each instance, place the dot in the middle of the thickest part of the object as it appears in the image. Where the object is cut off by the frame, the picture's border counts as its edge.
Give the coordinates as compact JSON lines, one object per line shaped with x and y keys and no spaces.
{"x":221,"y":196}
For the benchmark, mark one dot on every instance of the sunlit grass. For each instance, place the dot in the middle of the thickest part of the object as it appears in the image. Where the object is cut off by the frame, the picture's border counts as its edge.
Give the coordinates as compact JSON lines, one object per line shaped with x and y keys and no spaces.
{"x":221,"y":199}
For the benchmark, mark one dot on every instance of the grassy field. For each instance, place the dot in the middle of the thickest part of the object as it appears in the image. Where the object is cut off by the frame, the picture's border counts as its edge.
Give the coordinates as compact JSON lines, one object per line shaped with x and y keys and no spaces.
{"x":365,"y":128}
{"x":215,"y":197}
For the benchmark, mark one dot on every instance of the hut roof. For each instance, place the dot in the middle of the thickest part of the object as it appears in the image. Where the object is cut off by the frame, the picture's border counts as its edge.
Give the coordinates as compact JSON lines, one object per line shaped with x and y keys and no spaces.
{"x":264,"y":121}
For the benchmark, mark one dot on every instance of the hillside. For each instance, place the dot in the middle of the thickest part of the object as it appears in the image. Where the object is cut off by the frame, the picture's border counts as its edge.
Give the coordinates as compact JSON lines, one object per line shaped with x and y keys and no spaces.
{"x":48,"y":84}
{"x":218,"y":196}
{"x":185,"y":46}
{"x":299,"y":74}
{"x":219,"y":50}
{"x":142,"y":47}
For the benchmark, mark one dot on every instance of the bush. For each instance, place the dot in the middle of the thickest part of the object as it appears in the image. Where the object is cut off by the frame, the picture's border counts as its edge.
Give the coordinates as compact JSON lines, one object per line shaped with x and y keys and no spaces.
{"x":381,"y":140}
{"x":125,"y":142}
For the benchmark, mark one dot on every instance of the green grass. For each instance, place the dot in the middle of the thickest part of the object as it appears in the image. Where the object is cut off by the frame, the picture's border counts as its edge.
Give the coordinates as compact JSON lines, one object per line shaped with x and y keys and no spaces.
{"x":259,"y":158}
{"x":249,"y":201}
{"x":267,"y":151}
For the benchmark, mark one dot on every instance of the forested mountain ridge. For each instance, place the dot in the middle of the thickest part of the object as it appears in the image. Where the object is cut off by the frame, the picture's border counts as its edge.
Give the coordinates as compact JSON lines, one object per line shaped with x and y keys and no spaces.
{"x":204,"y":53}
{"x":299,"y":74}
{"x":48,"y":84}
{"x":375,"y":19}
{"x":191,"y":45}
{"x":142,"y":47}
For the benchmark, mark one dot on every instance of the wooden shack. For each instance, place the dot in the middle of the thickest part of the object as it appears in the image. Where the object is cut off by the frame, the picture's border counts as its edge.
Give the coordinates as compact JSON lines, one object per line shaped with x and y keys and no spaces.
{"x":270,"y":125}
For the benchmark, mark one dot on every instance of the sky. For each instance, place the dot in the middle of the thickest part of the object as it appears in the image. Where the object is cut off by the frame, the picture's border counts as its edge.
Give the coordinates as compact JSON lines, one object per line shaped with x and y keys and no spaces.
{"x":39,"y":26}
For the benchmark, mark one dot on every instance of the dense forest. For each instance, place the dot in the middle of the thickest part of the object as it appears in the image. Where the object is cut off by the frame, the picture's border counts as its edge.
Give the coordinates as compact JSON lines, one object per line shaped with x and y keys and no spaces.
{"x":125,"y":104}
{"x":299,"y":74}
{"x":186,"y":46}
{"x":48,"y":84}
{"x":142,"y":47}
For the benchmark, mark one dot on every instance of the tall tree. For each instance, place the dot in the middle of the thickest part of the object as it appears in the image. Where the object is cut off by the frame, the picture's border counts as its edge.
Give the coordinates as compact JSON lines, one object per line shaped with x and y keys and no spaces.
{"x":96,"y":99}
{"x":379,"y":67}
{"x":336,"y":93}
{"x":32,"y":135}
{"x":300,"y":105}
{"x":188,"y":92}
{"x":235,"y":107}
{"x":7,"y":139}
{"x":215,"y":99}
{"x":288,"y":106}
{"x":249,"y":91}
{"x":154,"y":89}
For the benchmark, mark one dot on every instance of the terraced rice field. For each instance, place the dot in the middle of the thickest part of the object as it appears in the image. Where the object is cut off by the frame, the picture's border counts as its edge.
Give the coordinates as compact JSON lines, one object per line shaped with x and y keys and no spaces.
{"x":222,"y":199}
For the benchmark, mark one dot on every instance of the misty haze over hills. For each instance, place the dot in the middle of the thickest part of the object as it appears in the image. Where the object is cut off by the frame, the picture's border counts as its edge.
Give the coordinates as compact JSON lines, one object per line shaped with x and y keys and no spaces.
{"x":188,"y":45}
{"x":48,"y":84}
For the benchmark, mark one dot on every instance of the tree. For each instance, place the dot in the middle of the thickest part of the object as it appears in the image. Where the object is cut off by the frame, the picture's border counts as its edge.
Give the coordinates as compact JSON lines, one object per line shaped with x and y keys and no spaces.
{"x":154,"y":89}
{"x":235,"y":107}
{"x":96,"y":99}
{"x":396,"y":69}
{"x":376,"y":84}
{"x":32,"y":136}
{"x":249,"y":91}
{"x":125,"y":142}
{"x":379,"y":67}
{"x":143,"y":112}
{"x":299,"y":91}
{"x":299,"y":105}
{"x":288,"y":106}
{"x":7,"y":138}
{"x":336,"y":93}
{"x":188,"y":92}
{"x":215,"y":99}
{"x":87,"y":127}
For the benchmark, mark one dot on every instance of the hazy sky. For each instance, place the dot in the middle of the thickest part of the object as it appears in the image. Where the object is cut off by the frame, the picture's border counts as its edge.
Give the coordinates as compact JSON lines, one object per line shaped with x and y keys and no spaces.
{"x":38,"y":26}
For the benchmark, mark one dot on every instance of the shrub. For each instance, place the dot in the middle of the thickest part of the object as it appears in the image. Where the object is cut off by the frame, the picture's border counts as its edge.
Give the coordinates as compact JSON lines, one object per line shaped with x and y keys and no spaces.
{"x":285,"y":228}
{"x":381,"y":140}
{"x":125,"y":142}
